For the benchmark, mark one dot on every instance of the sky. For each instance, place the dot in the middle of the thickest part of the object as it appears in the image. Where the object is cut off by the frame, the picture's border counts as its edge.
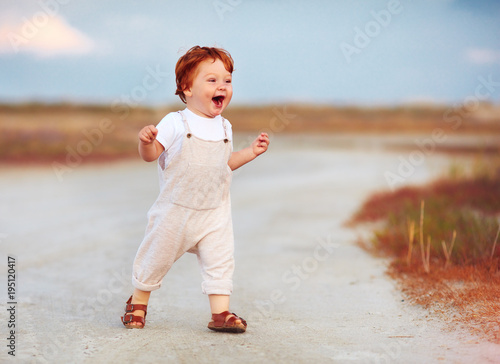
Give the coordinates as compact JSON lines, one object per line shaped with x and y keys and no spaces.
{"x":313,"y":52}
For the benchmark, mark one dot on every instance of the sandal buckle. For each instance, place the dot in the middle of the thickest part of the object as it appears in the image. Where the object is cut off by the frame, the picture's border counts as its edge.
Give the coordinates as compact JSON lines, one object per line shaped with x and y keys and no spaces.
{"x":131,"y":318}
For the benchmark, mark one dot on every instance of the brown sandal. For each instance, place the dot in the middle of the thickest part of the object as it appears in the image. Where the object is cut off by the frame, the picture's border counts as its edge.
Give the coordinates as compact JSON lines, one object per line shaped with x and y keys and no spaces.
{"x":128,"y":318}
{"x":220,"y":324}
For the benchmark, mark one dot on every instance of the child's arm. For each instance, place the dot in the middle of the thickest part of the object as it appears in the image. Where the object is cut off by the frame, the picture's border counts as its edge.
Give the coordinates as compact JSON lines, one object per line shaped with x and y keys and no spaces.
{"x":149,"y":148}
{"x":248,"y":154}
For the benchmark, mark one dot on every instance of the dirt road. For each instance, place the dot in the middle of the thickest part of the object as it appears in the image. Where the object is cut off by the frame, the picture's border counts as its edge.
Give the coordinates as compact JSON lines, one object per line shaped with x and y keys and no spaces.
{"x":307,"y":291}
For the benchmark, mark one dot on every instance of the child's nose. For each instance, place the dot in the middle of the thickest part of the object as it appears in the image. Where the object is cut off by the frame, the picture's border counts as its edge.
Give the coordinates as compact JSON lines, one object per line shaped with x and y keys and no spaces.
{"x":222,"y":86}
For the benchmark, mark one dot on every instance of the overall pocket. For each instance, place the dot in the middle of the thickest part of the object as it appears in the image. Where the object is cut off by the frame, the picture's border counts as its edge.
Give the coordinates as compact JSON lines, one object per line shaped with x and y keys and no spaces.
{"x":201,"y":188}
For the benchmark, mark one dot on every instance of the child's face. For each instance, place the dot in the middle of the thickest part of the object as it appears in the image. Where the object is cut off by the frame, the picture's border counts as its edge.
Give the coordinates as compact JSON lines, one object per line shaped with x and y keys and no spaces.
{"x":211,"y":90}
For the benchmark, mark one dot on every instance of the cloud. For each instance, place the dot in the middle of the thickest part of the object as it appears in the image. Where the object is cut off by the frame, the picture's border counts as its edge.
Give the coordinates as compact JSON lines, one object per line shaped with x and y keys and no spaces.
{"x":482,"y":56}
{"x":44,"y":36}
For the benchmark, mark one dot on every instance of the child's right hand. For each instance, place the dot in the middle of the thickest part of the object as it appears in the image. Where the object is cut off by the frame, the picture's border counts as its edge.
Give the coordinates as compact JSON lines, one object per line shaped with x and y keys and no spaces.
{"x":148,"y":134}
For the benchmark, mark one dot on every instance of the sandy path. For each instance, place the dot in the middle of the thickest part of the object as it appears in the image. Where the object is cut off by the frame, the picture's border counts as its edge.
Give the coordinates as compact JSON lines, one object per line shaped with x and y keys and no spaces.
{"x":308,"y":292}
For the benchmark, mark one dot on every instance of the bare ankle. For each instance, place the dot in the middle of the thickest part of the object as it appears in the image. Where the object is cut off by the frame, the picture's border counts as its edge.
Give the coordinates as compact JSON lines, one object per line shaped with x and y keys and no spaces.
{"x":141,"y":297}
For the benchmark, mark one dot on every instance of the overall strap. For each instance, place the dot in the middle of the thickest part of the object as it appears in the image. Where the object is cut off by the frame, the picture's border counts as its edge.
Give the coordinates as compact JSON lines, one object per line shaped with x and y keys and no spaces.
{"x":188,"y":129}
{"x":186,"y":125}
{"x":225,"y":131}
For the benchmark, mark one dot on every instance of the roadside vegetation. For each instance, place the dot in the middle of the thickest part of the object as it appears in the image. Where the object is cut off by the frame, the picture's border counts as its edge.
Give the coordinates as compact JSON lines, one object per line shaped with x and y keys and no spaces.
{"x":443,"y":241}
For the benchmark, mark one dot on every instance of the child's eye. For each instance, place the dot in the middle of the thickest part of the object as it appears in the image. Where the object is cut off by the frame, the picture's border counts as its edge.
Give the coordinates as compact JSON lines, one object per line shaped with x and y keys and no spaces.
{"x":211,"y":80}
{"x":228,"y":81}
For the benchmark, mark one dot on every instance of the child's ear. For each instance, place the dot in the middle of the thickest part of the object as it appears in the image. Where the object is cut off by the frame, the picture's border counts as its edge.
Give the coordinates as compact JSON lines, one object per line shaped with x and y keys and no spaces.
{"x":188,"y":92}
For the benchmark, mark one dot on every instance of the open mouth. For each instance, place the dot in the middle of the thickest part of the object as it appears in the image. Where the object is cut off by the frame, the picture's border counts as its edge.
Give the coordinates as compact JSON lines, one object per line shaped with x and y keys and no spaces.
{"x":218,"y":100}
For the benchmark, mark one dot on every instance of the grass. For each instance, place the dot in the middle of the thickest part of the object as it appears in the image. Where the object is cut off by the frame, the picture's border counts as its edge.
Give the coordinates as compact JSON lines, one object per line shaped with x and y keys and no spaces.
{"x":443,"y":241}
{"x":467,"y":207}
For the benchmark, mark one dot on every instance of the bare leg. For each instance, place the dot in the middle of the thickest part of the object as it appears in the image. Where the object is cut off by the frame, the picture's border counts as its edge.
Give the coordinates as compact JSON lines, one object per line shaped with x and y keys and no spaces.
{"x":220,"y":303}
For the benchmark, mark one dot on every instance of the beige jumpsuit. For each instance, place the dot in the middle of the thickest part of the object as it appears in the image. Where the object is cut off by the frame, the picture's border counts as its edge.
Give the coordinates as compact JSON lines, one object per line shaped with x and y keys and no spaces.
{"x":191,"y":214}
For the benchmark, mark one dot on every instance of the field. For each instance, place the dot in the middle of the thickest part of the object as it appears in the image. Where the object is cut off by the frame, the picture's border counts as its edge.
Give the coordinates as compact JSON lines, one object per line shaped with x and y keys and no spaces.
{"x":46,"y":133}
{"x":442,"y":238}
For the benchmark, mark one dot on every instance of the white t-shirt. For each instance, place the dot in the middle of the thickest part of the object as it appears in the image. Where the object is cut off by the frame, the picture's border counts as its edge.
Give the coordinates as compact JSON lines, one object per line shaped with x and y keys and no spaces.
{"x":171,"y":132}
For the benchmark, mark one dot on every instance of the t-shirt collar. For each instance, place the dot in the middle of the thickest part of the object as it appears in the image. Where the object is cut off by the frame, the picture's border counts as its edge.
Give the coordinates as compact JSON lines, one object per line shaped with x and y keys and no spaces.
{"x":192,"y":115}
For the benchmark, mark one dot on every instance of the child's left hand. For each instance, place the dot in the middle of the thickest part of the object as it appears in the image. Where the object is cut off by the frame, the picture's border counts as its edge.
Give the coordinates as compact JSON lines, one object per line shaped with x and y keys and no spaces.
{"x":260,"y":144}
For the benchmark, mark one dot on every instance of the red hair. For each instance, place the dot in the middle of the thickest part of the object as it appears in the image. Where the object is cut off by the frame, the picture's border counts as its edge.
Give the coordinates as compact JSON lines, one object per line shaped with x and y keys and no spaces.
{"x":185,"y":69}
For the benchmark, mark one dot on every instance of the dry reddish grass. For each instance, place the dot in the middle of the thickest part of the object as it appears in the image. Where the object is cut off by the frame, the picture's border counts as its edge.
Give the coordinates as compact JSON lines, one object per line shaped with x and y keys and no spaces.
{"x":481,"y":193}
{"x":463,"y":288}
{"x":464,"y":296}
